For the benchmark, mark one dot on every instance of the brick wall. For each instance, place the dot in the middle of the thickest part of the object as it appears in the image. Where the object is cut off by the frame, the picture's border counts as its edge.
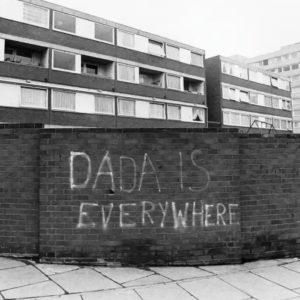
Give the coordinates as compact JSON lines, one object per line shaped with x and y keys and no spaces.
{"x":149,"y":196}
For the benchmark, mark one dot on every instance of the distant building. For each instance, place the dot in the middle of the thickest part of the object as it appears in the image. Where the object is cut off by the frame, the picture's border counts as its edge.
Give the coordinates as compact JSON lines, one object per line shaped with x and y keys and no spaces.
{"x":285,"y":61}
{"x":62,"y":67}
{"x":242,"y":96}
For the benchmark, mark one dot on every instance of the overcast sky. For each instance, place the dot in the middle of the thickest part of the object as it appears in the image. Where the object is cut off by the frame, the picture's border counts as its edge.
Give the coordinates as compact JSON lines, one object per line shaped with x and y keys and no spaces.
{"x":226,"y":27}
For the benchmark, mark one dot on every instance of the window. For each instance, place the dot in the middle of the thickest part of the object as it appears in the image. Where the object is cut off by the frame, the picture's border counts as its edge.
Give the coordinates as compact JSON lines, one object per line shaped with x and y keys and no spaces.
{"x":268,"y":101}
{"x":254,"y":121}
{"x":276,"y":123}
{"x":192,"y":85}
{"x":198,"y":114}
{"x":279,"y":70}
{"x":174,"y":112}
{"x":253,"y":98}
{"x":151,"y":77}
{"x":225,"y":92}
{"x":274,"y":82}
{"x":126,"y":107}
{"x":156,"y":48}
{"x":289,"y":125}
{"x":63,"y":100}
{"x":235,"y":119}
{"x":36,"y":15}
{"x":64,"y":22}
{"x":286,"y":105}
{"x":173,"y":82}
{"x":226,"y":118}
{"x":265,"y":62}
{"x":104,"y":33}
{"x":90,"y":69}
{"x":104,"y":105}
{"x":244,"y":96}
{"x":64,"y":60}
{"x":245,"y":120}
{"x":243,"y":73}
{"x":269,"y":122}
{"x":157,"y":111}
{"x":172,"y":52}
{"x":295,"y":67}
{"x":283,"y":124}
{"x":197,"y":59}
{"x":126,"y":73}
{"x":275,"y":102}
{"x":31,"y":97}
{"x":125,"y":39}
{"x":234,"y":94}
{"x":286,"y":68}
{"x":295,"y":55}
{"x":96,"y":66}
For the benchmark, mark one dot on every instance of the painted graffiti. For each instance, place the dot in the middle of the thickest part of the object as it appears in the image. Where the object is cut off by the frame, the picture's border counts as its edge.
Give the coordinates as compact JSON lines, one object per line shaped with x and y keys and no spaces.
{"x":195,"y":214}
{"x":148,"y":169}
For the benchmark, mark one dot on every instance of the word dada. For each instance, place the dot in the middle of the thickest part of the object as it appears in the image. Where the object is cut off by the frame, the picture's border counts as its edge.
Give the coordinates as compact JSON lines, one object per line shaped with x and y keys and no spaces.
{"x":168,"y":214}
{"x":148,"y":170}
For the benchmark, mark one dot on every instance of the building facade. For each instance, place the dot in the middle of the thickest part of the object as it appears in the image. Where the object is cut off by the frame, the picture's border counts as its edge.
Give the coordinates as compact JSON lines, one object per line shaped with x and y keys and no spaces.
{"x":242,"y":96}
{"x":285,"y":61}
{"x":62,"y":67}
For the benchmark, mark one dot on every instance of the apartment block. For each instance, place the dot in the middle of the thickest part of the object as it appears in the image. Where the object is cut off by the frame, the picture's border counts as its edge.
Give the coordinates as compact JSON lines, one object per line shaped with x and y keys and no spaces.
{"x":62,"y":67}
{"x":285,"y":61}
{"x":243,"y":97}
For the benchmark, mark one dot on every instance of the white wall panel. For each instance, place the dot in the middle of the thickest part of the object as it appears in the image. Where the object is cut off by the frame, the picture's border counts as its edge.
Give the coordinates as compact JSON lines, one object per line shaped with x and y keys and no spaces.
{"x":185,"y":56}
{"x":2,"y":49}
{"x":141,"y":43}
{"x":85,"y":28}
{"x":10,"y":95}
{"x":78,"y":64}
{"x":11,"y":9}
{"x":142,"y":109}
{"x":85,"y":103}
{"x":186,"y":113}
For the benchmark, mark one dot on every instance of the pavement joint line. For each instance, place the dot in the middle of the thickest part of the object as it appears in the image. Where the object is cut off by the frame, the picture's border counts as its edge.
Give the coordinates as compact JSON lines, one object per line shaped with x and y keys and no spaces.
{"x":138,"y":294}
{"x":21,"y":286}
{"x":186,"y":291}
{"x":199,"y":278}
{"x":49,"y":278}
{"x":78,"y":267}
{"x":139,"y":278}
{"x":249,"y":295}
{"x":14,"y":268}
{"x":276,"y":283}
{"x":285,"y":266}
{"x":107,"y":277}
{"x":206,"y":270}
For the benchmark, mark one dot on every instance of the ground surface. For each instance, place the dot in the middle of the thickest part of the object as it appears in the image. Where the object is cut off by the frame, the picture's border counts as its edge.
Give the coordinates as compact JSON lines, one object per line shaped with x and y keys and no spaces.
{"x":270,"y":279}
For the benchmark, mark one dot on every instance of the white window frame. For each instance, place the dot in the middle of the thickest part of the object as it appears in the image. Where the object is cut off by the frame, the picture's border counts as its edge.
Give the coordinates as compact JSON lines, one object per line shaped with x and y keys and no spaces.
{"x":180,"y":82}
{"x":163,"y":54}
{"x":61,"y":69}
{"x":172,"y":46}
{"x":33,"y":106}
{"x":202,"y":62}
{"x":201,"y":109}
{"x":136,"y":78}
{"x":104,"y":41}
{"x":174,"y":105}
{"x":60,"y":30}
{"x":164,"y":111}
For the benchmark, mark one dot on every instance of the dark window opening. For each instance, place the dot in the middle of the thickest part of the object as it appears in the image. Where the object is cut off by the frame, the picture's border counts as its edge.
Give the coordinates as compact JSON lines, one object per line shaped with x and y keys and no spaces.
{"x":151,"y":77}
{"x":96,"y":66}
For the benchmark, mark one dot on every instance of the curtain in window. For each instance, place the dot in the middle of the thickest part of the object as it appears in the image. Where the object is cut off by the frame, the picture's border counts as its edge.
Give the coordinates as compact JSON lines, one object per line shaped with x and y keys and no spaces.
{"x":104,"y":104}
{"x":33,"y":97}
{"x":63,"y":100}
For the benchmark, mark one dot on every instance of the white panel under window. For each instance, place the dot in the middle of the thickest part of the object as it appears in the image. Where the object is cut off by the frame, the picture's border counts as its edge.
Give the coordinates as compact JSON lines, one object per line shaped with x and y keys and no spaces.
{"x":260,"y":77}
{"x":85,"y":103}
{"x":173,"y":82}
{"x":63,"y":100}
{"x":10,"y":95}
{"x":186,"y":113}
{"x":36,"y":15}
{"x":185,"y":56}
{"x":125,"y":39}
{"x":126,"y":73}
{"x":142,"y":109}
{"x":36,"y":98}
{"x":243,"y":73}
{"x":173,"y":52}
{"x":174,"y":112}
{"x":85,"y":28}
{"x":245,"y":120}
{"x":105,"y":105}
{"x":266,"y":79}
{"x":126,"y":107}
{"x":2,"y":49}
{"x":235,"y":119}
{"x":244,"y":96}
{"x":252,"y":75}
{"x":157,"y":111}
{"x":274,"y":82}
{"x":11,"y":9}
{"x":141,"y":43}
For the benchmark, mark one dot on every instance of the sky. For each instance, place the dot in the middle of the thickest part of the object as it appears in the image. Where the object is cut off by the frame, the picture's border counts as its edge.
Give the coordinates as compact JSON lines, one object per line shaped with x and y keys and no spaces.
{"x":220,"y":27}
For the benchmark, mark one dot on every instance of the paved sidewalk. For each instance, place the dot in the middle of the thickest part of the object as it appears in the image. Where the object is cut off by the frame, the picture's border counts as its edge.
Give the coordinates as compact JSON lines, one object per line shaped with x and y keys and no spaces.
{"x":270,"y":279}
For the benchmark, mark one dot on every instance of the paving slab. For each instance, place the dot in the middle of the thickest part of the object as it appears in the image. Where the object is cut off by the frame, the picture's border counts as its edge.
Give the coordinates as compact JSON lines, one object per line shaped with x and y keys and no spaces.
{"x":122,"y":275}
{"x":169,"y":291}
{"x":51,"y":269}
{"x":83,"y":280}
{"x":282,"y":276}
{"x":258,"y":287}
{"x":260,"y":264}
{"x":213,"y":289}
{"x":6,"y":263}
{"x":223,"y":269}
{"x":283,"y":261}
{"x":121,"y":294}
{"x":152,"y":279}
{"x":43,"y":289}
{"x":63,"y":297}
{"x":180,"y":273}
{"x":293,"y":266}
{"x":21,"y":276}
